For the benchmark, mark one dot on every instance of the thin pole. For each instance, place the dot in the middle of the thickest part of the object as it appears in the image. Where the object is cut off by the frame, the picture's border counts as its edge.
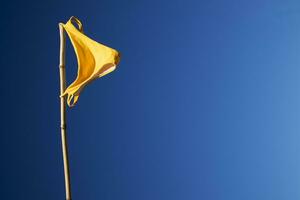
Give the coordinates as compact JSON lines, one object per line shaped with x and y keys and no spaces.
{"x":62,"y":73}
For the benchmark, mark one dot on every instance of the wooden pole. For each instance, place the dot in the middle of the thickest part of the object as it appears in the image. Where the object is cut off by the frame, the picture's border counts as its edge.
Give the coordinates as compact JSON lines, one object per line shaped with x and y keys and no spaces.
{"x":62,"y":73}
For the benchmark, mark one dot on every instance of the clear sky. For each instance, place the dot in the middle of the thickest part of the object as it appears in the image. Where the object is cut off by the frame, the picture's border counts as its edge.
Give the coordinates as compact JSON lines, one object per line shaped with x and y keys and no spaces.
{"x":205,"y":103}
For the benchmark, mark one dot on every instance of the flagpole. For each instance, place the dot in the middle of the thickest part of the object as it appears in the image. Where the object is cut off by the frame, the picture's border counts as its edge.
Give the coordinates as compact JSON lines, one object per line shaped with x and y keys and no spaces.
{"x":62,"y":73}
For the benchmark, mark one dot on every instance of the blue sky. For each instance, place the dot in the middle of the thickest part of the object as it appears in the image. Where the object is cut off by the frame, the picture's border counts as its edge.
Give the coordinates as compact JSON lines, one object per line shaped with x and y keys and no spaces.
{"x":204,"y":104}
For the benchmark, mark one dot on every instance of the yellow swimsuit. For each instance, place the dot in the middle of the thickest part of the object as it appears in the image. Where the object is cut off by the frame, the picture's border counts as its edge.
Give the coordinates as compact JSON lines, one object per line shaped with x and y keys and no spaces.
{"x":94,"y":60}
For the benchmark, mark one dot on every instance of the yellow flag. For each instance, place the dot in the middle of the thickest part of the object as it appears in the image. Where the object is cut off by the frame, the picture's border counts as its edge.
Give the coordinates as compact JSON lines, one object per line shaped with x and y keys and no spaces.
{"x":94,"y":59}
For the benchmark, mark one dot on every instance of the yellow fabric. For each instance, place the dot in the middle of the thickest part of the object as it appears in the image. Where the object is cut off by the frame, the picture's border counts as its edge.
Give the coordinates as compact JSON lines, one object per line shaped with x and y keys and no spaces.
{"x":94,"y":60}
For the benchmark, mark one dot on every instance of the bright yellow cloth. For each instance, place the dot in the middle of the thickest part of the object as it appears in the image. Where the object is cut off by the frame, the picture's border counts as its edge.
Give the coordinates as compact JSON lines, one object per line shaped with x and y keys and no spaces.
{"x":94,"y":60}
